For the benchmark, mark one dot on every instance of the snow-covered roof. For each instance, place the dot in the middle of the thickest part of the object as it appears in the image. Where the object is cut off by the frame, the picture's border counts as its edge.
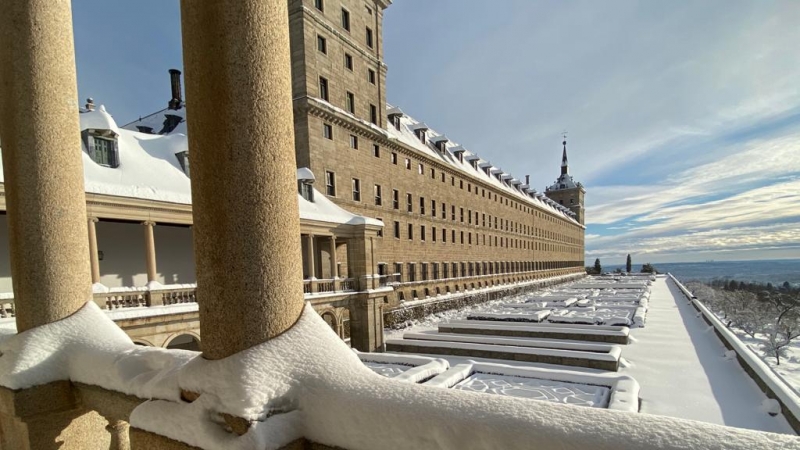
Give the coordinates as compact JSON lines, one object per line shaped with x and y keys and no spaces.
{"x":407,"y":136}
{"x":149,"y":168}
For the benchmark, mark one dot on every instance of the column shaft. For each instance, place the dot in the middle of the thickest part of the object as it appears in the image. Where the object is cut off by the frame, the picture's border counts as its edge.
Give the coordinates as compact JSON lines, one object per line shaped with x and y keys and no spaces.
{"x":94,"y":258}
{"x":42,"y":163}
{"x":244,"y":188}
{"x":310,"y":256}
{"x":150,"y":251}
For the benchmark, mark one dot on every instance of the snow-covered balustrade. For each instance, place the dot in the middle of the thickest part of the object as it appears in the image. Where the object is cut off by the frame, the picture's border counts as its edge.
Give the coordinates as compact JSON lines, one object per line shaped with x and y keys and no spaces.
{"x":297,"y":384}
{"x":767,"y":380}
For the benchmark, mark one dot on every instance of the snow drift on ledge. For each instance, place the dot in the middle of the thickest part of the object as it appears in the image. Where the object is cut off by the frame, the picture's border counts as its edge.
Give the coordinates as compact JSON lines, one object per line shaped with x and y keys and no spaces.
{"x":307,"y":382}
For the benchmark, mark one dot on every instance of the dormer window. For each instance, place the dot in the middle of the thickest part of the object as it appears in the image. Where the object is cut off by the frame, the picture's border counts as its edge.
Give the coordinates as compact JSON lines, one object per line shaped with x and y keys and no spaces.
{"x":170,"y":122}
{"x":421,"y":134}
{"x":144,"y":129}
{"x":305,"y":189}
{"x":102,"y":146}
{"x":183,"y":159}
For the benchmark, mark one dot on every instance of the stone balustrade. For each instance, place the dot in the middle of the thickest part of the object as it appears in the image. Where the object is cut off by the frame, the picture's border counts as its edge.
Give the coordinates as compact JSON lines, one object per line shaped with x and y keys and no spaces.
{"x":7,"y":308}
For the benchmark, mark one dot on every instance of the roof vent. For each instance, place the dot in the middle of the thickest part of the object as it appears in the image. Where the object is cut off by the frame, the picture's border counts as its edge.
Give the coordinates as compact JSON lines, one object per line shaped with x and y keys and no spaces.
{"x":90,"y":104}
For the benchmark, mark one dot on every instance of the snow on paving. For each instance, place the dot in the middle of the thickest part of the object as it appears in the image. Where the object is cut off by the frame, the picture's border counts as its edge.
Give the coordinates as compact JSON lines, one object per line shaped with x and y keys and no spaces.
{"x":682,"y":369}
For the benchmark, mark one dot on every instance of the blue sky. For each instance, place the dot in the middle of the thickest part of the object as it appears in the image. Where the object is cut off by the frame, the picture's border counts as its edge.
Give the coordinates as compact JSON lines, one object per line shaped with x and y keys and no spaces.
{"x":683,"y":117}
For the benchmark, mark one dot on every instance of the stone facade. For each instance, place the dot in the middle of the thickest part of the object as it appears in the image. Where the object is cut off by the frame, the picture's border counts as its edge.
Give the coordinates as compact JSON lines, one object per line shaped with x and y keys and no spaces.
{"x":441,"y":223}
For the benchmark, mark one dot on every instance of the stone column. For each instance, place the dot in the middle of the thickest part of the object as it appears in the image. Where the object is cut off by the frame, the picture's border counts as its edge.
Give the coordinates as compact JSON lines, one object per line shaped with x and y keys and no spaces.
{"x":150,"y":251}
{"x":334,"y":266}
{"x":42,"y":162}
{"x":360,"y":261}
{"x":94,"y":259}
{"x":310,"y":256}
{"x":118,"y":430}
{"x":241,"y":132}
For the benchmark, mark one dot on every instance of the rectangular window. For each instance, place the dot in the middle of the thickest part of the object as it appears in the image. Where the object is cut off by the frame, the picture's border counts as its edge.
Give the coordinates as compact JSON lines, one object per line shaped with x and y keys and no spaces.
{"x":462,"y":215}
{"x":319,"y":4}
{"x":395,"y":199}
{"x":408,"y":164}
{"x":380,"y":231}
{"x":373,"y":114}
{"x":371,"y":76}
{"x":327,"y":131}
{"x":433,"y":234}
{"x":469,"y":214}
{"x":433,"y":173}
{"x":376,"y":150}
{"x":378,"y":196}
{"x":453,"y":236}
{"x":444,"y":235}
{"x":433,"y":208}
{"x":394,"y":158}
{"x":323,"y":88}
{"x":356,"y":189}
{"x":354,"y":141}
{"x":409,"y":203}
{"x":422,"y":205}
{"x":410,"y":232}
{"x":104,"y":151}
{"x":348,"y":61}
{"x":453,"y":212}
{"x":346,"y":19}
{"x":330,"y":183}
{"x":322,"y":45}
{"x":370,"y":43}
{"x":420,"y":169}
{"x":351,"y":102}
{"x":422,"y":233}
{"x":396,"y":229}
{"x":462,"y":238}
{"x":444,"y":211}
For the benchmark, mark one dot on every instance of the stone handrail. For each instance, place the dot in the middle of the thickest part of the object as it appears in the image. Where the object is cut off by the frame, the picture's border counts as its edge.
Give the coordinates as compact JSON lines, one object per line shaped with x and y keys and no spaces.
{"x":176,"y":296}
{"x":115,"y":300}
{"x":753,"y":365}
{"x":348,"y":284}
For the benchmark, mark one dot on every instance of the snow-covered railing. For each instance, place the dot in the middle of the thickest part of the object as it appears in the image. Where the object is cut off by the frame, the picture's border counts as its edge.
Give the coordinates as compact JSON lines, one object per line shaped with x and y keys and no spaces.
{"x":769,"y":382}
{"x":295,"y":385}
{"x":129,"y":299}
{"x":176,"y":296}
{"x":348,"y":284}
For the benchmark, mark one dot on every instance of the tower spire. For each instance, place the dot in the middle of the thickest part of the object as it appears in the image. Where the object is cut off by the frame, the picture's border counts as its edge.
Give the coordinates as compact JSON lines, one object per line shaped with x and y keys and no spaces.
{"x":564,"y":162}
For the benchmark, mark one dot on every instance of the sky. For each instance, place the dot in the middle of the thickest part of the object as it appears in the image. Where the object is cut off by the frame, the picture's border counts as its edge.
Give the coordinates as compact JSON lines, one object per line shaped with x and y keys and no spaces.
{"x":683,"y":118}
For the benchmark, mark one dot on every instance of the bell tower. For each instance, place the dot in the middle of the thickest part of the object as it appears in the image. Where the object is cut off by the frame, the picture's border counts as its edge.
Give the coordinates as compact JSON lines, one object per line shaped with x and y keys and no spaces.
{"x":566,"y":191}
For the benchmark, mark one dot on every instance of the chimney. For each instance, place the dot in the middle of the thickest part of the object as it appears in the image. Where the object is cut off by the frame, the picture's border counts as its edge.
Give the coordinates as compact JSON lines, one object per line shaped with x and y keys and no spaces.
{"x":90,"y":104}
{"x":175,"y":81}
{"x":528,"y":180}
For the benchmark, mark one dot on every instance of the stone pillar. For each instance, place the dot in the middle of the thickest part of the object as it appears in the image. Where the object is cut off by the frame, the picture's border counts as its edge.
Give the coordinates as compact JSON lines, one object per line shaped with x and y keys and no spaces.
{"x":334,"y":266}
{"x":310,"y":250}
{"x":241,"y":132}
{"x":42,"y":162}
{"x":94,"y":259}
{"x":366,"y":323}
{"x":150,"y":251}
{"x":360,"y":261}
{"x":118,"y":430}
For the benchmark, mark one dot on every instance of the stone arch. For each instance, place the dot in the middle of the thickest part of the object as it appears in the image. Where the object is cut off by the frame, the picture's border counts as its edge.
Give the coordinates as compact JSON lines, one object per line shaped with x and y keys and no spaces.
{"x":184,"y":340}
{"x":332,"y":319}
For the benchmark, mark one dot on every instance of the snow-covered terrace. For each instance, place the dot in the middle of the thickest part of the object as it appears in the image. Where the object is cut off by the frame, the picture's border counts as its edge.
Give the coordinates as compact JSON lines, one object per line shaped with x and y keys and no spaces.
{"x":682,"y":367}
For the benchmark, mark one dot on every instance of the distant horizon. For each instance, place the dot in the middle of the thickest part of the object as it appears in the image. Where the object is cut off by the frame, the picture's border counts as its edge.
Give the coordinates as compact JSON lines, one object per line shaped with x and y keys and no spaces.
{"x":590,"y":263}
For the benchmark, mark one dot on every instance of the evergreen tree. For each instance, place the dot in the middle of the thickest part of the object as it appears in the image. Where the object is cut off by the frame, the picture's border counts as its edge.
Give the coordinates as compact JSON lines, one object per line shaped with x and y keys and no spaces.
{"x":628,"y":264}
{"x":598,"y":269}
